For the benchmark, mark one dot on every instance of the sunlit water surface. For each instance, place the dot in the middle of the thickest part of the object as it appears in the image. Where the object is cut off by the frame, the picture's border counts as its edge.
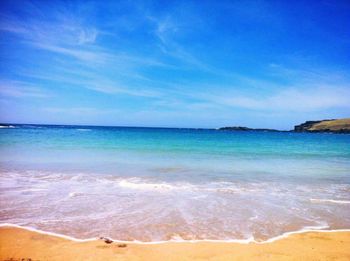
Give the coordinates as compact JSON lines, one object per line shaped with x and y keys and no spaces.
{"x":153,"y":184}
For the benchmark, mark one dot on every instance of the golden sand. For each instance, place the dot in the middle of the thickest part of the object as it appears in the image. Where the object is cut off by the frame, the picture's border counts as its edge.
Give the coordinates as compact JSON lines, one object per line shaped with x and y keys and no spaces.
{"x":21,"y":244}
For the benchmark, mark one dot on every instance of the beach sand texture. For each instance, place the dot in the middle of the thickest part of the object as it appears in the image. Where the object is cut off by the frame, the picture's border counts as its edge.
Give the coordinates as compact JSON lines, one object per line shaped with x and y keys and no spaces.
{"x":21,"y":244}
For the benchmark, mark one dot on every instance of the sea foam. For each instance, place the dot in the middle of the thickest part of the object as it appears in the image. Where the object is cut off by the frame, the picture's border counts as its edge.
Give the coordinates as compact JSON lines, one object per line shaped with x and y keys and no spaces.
{"x":335,"y":201}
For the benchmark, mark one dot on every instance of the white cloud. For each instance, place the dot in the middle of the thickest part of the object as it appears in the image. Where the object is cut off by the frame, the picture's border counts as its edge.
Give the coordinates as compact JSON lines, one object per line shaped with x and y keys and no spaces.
{"x":21,"y":89}
{"x":83,"y":55}
{"x":87,"y":36}
{"x":165,"y":31}
{"x":81,"y":111}
{"x":112,"y":88}
{"x":292,"y":99}
{"x":57,"y":35}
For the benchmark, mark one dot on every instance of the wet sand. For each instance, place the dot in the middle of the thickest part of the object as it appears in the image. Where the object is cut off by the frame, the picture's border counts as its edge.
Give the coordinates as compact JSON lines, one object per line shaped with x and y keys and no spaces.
{"x":21,"y":244}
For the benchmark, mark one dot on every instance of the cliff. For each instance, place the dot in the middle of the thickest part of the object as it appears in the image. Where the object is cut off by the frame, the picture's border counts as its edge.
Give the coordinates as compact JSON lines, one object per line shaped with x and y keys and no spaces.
{"x":335,"y":126}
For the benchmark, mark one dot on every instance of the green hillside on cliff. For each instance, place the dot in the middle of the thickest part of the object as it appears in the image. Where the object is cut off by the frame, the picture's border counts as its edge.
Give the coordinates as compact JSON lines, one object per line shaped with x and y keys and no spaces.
{"x":337,"y":126}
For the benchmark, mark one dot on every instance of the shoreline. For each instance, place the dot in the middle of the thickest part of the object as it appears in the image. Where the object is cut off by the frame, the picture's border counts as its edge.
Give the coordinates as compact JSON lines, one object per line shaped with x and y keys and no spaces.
{"x":308,"y":229}
{"x":20,"y":243}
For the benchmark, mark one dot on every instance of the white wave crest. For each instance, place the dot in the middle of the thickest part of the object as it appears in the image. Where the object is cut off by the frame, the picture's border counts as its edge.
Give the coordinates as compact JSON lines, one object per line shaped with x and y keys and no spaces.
{"x":7,"y":127}
{"x":145,"y":186}
{"x":75,"y":194}
{"x":320,"y":229}
{"x":335,"y":201}
{"x":83,"y":129}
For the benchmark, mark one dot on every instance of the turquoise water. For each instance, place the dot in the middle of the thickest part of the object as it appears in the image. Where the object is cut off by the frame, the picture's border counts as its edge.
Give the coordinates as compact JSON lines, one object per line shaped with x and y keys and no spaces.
{"x":158,"y":184}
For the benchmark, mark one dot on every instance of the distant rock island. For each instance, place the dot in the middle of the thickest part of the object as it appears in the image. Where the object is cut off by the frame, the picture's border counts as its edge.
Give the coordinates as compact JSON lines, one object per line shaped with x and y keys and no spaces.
{"x":239,"y":128}
{"x":332,"y":126}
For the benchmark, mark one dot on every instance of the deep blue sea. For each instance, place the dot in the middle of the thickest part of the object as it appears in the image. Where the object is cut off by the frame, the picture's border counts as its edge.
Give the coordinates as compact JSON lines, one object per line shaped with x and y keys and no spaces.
{"x":154,"y":184}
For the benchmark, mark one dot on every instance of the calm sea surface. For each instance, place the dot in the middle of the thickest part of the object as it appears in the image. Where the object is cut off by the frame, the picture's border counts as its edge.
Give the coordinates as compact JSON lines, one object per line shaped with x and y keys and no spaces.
{"x":155,"y":184}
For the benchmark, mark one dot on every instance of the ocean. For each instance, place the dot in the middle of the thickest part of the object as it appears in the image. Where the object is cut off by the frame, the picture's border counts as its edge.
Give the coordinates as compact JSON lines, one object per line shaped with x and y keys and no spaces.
{"x":159,"y":184}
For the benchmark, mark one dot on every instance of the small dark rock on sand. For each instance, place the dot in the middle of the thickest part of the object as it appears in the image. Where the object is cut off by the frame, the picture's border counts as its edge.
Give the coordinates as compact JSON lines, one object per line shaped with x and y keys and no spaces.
{"x":107,"y":240}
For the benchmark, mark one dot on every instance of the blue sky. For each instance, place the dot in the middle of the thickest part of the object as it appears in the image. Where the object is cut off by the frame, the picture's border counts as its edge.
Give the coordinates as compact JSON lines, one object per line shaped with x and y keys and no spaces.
{"x":186,"y":63}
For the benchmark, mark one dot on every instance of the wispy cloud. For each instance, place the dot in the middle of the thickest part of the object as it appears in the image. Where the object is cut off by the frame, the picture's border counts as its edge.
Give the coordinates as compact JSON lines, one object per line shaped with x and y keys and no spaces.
{"x":21,"y":89}
{"x":66,"y":35}
{"x":84,"y":55}
{"x":62,"y":34}
{"x":94,"y":67}
{"x":85,"y":111}
{"x":177,"y":61}
{"x":60,"y":29}
{"x":165,"y":30}
{"x":112,"y":88}
{"x":91,"y":80}
{"x":302,"y":90}
{"x":87,"y":36}
{"x":312,"y":99}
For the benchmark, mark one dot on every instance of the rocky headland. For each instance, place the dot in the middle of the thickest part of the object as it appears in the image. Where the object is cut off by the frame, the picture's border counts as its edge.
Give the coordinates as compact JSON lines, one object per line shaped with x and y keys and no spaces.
{"x":334,"y":126}
{"x":331,"y":126}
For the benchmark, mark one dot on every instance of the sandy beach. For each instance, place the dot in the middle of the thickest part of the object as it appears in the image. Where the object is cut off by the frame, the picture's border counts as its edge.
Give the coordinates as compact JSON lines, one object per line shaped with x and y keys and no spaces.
{"x":174,"y":130}
{"x":21,"y":244}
